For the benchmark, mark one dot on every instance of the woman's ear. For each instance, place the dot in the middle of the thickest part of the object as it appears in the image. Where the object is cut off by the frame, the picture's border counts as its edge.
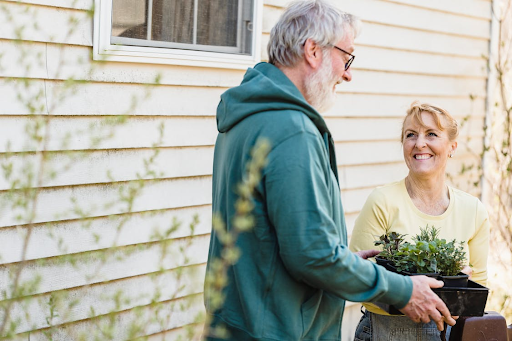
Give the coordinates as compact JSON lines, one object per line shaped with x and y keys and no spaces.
{"x":312,"y":54}
{"x":454,"y":147}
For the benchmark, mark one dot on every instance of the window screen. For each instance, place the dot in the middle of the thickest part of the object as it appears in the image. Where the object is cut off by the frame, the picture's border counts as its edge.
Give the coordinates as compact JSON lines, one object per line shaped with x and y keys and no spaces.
{"x":204,"y":25}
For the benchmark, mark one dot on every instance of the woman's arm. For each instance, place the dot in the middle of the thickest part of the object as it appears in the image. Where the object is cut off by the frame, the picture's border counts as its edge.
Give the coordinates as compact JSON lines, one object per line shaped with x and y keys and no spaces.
{"x":370,"y":224}
{"x":479,"y":245}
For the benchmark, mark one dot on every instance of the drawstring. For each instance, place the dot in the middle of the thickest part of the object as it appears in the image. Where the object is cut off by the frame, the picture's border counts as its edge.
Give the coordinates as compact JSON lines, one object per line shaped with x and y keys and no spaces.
{"x":329,"y":144}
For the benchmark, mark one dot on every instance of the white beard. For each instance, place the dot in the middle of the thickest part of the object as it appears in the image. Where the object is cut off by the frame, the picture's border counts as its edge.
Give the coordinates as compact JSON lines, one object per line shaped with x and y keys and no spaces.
{"x":319,"y":86}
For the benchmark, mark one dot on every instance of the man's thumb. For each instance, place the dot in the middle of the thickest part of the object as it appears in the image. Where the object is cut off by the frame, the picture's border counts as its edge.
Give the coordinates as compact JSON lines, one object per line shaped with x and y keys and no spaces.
{"x":434,"y":283}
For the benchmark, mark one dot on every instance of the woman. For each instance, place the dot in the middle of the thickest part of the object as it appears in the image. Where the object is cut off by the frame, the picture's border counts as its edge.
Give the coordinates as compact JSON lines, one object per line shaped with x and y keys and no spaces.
{"x":429,"y":138}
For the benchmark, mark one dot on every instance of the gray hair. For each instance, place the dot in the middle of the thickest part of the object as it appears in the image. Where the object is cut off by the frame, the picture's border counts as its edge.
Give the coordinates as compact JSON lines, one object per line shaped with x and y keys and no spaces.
{"x":307,"y":19}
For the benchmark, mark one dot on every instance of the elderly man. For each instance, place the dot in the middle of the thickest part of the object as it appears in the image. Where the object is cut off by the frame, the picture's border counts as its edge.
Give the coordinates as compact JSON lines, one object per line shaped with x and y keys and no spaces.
{"x":296,"y":271}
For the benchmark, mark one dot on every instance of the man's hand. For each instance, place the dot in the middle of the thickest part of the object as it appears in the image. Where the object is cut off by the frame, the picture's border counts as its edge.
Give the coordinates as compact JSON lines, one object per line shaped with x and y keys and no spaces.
{"x":365,"y":254}
{"x":425,"y":304}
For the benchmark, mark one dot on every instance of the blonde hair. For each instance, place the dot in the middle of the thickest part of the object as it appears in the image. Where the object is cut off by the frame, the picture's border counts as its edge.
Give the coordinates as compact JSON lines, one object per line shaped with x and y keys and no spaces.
{"x":418,"y":107}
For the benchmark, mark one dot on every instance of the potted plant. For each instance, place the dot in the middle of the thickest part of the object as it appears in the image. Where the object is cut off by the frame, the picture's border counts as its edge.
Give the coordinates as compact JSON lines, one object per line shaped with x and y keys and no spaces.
{"x":427,"y":255}
{"x":390,"y":243}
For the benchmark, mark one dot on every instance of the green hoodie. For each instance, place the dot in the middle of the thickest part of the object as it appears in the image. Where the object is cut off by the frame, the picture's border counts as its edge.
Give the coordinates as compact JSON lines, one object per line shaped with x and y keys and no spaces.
{"x":296,"y":271}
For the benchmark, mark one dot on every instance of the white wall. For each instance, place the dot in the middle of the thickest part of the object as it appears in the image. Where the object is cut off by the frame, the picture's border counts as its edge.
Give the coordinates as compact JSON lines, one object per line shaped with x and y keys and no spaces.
{"x":408,"y":50}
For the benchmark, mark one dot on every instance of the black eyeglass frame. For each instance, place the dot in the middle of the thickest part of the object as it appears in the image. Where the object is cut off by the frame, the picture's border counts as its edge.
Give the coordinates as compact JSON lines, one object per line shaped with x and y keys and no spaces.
{"x":350,"y":60}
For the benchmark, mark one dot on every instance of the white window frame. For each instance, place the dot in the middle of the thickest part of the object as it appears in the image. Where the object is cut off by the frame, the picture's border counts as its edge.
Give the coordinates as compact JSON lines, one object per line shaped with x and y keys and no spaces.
{"x":105,"y":51}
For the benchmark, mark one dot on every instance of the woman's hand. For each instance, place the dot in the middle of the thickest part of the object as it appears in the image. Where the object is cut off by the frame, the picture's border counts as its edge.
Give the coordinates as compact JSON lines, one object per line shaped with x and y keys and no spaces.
{"x":365,"y":254}
{"x":467,"y":270}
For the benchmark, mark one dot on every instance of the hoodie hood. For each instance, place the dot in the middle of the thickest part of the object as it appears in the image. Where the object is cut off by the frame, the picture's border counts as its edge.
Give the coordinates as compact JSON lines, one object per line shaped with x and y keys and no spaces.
{"x":264,"y":88}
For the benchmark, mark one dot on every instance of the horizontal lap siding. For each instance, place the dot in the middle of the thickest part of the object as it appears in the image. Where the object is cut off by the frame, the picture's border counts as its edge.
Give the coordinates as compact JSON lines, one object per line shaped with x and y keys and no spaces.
{"x":70,"y":236}
{"x":135,"y":132}
{"x":120,"y":263}
{"x":104,"y":199}
{"x":123,"y":164}
{"x":408,"y":50}
{"x":69,"y":4}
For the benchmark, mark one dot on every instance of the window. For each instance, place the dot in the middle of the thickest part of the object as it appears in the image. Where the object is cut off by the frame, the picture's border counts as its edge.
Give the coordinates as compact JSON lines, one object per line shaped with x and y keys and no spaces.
{"x":214,"y":33}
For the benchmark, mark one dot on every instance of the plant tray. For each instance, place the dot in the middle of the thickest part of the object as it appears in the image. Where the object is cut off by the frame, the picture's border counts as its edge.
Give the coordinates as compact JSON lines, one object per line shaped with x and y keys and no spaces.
{"x":468,"y":301}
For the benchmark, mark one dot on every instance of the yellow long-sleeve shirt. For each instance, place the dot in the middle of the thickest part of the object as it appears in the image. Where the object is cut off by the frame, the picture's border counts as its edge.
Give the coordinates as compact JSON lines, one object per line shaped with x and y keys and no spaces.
{"x":389,"y":208}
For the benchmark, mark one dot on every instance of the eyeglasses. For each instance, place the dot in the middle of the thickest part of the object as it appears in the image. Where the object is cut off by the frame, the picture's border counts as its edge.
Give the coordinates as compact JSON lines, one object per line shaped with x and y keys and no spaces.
{"x":350,"y":60}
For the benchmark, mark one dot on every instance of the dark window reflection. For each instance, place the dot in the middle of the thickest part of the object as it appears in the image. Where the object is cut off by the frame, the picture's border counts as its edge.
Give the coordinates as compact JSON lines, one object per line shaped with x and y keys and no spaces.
{"x":173,"y":21}
{"x":217,"y":22}
{"x":129,"y":18}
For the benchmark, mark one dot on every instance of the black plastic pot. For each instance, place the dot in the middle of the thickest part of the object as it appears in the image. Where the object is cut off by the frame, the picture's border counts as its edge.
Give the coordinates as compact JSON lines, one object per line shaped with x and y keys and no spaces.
{"x":469,"y":301}
{"x":382,"y":261}
{"x":463,"y":297}
{"x":458,"y":281}
{"x":388,"y":264}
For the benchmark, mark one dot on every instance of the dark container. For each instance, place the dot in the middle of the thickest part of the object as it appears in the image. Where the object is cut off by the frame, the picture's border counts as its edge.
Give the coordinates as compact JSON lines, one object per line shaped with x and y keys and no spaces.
{"x":459,"y":281}
{"x":490,"y":326}
{"x":469,"y":301}
{"x":382,"y":261}
{"x":388,"y":264}
{"x":464,"y":301}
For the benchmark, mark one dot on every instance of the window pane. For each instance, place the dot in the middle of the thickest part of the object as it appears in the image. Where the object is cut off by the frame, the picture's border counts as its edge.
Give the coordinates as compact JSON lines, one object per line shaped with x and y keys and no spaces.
{"x":209,"y":25}
{"x":129,"y":18}
{"x":173,"y":21}
{"x":217,"y":22}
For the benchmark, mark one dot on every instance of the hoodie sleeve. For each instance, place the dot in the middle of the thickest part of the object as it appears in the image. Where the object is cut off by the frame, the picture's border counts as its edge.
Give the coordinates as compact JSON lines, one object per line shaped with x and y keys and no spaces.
{"x":298,"y":187}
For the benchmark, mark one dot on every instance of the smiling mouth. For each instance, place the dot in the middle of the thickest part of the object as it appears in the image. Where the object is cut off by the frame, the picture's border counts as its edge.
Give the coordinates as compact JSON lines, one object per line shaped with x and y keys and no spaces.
{"x":422,"y":156}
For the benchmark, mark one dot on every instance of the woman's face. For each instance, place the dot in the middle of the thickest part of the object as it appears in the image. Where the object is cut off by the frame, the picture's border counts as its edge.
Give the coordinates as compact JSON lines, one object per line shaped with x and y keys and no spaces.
{"x":426,"y":149}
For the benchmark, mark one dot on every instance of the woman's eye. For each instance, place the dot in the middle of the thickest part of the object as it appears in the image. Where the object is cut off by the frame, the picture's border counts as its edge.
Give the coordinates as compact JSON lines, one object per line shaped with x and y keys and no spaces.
{"x":432,"y":134}
{"x":409,"y":135}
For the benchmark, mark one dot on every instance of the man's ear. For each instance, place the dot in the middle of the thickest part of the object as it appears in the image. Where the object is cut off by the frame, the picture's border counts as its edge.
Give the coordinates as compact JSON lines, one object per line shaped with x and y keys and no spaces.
{"x":312,"y":54}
